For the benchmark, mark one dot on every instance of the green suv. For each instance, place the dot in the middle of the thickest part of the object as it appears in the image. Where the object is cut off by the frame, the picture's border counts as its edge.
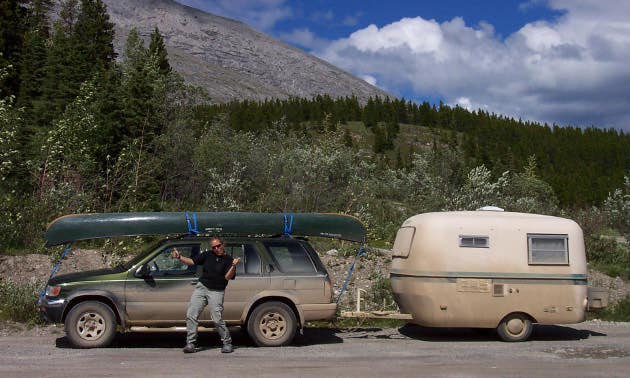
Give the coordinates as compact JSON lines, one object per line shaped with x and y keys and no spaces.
{"x":280,"y":284}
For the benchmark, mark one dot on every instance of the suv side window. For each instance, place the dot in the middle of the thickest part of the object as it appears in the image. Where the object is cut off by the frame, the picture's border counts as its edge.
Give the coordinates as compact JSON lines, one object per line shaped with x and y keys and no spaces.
{"x":290,"y":257}
{"x":250,"y":260}
{"x":163,"y":265}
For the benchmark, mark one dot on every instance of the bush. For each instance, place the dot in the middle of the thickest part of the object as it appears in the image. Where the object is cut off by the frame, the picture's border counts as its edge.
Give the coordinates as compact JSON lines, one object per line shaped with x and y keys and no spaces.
{"x":620,"y":312}
{"x":380,"y":296}
{"x":19,"y":302}
{"x":608,"y":255}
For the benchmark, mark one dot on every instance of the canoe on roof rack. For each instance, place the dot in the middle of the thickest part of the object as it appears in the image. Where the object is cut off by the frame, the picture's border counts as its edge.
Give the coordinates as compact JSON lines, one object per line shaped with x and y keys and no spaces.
{"x":74,"y":227}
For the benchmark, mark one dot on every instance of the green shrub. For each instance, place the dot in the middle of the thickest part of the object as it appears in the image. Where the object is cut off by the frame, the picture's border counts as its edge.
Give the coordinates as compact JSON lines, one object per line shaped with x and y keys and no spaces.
{"x":608,"y":255}
{"x":380,"y":296}
{"x":620,"y":312}
{"x":18,"y":302}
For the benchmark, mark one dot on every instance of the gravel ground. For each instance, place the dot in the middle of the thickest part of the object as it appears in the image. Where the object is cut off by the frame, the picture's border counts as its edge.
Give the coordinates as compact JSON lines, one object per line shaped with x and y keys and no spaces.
{"x":590,"y":349}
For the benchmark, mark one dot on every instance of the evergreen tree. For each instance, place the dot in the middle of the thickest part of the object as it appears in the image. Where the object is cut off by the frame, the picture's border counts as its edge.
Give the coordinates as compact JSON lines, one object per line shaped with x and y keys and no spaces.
{"x":81,"y":46}
{"x":33,"y":57}
{"x":157,"y":50}
{"x":94,"y":35}
{"x":13,"y":15}
{"x":61,"y":84}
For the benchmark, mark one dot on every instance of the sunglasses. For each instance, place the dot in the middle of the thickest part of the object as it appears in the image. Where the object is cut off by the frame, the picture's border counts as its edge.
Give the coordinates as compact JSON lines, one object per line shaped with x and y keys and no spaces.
{"x":217,"y":246}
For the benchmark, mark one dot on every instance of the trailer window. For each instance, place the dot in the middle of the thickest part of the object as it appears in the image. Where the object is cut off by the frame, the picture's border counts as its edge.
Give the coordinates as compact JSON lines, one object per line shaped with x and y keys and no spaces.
{"x":474,"y":241}
{"x":548,"y":249}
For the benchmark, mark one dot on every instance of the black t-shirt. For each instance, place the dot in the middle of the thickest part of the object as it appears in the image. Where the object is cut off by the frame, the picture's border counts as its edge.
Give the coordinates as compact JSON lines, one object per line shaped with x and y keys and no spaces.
{"x":214,"y":269}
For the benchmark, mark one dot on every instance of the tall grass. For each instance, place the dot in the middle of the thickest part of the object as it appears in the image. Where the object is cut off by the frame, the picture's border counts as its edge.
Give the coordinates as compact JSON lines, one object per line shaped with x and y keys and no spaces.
{"x":18,"y":302}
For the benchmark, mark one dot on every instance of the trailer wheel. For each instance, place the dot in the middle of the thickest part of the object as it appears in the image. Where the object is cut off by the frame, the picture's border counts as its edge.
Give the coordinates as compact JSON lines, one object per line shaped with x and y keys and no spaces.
{"x":515,"y":327}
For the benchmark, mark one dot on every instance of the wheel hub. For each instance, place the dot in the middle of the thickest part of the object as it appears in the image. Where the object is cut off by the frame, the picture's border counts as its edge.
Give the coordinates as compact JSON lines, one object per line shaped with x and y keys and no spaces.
{"x":515,"y":326}
{"x":273,"y":326}
{"x":90,"y":326}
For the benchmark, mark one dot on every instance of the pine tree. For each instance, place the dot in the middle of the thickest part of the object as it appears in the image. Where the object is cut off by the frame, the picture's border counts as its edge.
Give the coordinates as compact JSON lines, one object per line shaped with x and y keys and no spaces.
{"x":60,"y":85}
{"x":81,"y":46}
{"x":157,"y":50}
{"x":33,"y":57}
{"x":13,"y":15}
{"x":95,"y":35}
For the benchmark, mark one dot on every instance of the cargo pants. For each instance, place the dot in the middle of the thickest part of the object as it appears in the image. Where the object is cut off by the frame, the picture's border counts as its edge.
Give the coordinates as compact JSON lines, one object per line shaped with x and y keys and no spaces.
{"x":200,"y":298}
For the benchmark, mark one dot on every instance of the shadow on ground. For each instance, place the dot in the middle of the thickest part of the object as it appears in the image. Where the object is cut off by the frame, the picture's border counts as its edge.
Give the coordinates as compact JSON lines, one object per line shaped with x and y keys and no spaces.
{"x":540,"y":332}
{"x":208,"y":340}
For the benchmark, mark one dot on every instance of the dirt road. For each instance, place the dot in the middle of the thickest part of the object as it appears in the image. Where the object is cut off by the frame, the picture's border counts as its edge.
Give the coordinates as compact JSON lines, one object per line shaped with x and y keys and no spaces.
{"x":588,"y":349}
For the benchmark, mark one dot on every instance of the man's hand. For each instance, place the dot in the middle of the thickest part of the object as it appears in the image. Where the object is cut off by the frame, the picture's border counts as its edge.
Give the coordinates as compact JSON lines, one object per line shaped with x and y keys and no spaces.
{"x":236,"y":261}
{"x":175,"y":254}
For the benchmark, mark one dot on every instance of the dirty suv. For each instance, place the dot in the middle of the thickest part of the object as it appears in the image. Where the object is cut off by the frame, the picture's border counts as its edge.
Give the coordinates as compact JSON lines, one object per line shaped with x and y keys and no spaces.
{"x":280,"y":284}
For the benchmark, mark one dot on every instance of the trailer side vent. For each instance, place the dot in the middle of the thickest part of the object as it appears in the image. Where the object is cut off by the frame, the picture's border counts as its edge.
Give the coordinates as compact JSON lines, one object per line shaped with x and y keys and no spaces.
{"x":498,"y":290}
{"x":474,"y":241}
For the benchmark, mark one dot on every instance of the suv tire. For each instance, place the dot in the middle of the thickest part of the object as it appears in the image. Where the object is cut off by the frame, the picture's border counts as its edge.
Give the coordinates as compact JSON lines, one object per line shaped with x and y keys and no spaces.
{"x":90,"y":324}
{"x":272,"y":324}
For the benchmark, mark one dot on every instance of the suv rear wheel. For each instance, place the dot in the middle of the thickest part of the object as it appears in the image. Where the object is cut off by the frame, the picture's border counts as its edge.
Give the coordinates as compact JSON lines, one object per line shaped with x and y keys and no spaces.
{"x":272,"y":324}
{"x":90,"y":324}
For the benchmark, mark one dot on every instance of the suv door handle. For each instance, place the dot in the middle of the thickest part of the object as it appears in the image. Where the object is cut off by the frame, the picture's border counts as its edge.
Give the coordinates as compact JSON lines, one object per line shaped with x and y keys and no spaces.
{"x":194,"y":282}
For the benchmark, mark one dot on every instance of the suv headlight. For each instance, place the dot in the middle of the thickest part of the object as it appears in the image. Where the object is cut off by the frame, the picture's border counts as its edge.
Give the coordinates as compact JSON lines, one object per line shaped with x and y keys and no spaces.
{"x":52,"y":291}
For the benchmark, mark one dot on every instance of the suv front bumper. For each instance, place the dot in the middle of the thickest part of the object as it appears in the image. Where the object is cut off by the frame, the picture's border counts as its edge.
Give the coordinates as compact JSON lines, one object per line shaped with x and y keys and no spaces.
{"x":51,"y":309}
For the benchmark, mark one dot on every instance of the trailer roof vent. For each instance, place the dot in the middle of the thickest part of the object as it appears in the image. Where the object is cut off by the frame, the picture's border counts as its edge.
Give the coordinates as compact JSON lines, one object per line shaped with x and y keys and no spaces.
{"x":490,"y":208}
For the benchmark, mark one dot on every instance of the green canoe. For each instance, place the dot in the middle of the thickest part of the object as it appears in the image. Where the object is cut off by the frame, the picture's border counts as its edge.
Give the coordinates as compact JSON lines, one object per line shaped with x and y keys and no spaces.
{"x":73,"y":227}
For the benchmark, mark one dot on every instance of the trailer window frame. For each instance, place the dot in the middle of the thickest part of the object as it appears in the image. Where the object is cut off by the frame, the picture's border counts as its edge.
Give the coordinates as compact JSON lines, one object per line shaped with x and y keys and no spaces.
{"x":476,"y":241}
{"x":531,"y":249}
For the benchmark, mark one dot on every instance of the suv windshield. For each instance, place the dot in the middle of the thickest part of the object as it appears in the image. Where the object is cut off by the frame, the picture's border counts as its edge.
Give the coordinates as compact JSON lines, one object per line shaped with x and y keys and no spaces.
{"x":142,"y":254}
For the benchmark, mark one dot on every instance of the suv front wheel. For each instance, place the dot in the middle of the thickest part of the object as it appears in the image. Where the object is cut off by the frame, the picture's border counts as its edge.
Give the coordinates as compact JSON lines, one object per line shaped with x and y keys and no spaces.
{"x":90,"y":324}
{"x":272,"y":324}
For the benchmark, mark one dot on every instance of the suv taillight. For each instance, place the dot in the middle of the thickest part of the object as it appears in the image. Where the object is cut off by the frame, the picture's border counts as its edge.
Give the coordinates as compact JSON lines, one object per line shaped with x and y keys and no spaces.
{"x":328,"y":291}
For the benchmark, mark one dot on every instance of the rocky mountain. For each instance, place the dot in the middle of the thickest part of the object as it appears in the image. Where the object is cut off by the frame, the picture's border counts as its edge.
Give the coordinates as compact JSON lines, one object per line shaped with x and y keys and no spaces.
{"x":230,"y":59}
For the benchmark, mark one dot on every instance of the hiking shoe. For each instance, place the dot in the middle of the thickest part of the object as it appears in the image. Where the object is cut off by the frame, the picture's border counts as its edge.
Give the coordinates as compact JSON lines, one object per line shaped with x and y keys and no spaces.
{"x":190,"y":348}
{"x":227,"y":348}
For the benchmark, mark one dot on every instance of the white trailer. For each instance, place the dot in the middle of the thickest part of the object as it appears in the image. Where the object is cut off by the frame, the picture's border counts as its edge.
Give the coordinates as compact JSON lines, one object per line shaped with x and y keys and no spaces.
{"x":490,"y":269}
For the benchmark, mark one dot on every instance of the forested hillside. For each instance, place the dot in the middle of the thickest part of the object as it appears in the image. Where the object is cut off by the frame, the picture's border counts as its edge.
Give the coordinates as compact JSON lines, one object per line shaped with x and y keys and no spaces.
{"x":83,"y":132}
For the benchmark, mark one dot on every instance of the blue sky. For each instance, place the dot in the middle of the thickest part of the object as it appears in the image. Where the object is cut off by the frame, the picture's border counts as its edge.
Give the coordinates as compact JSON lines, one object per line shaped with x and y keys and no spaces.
{"x":554,"y":61}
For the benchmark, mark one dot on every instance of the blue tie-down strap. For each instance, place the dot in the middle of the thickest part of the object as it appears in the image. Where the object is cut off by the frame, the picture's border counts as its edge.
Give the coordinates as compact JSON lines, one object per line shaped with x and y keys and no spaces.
{"x":55,"y":268}
{"x":192,"y":228}
{"x":345,"y":283}
{"x":288,"y":224}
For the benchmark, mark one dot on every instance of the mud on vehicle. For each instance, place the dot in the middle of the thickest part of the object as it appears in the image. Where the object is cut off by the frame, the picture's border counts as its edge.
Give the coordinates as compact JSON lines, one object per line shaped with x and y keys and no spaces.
{"x":280,"y":284}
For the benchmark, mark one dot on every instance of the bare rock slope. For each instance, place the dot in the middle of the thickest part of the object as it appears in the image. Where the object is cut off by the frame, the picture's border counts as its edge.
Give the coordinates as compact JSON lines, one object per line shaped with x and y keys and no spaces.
{"x":231,"y":60}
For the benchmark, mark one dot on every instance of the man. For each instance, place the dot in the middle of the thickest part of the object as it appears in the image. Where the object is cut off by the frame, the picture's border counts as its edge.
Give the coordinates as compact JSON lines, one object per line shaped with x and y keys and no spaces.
{"x":218,"y":269}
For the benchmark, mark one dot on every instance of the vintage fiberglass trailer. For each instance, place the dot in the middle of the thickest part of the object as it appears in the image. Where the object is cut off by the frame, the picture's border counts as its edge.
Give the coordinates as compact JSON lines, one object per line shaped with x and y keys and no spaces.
{"x":490,"y":269}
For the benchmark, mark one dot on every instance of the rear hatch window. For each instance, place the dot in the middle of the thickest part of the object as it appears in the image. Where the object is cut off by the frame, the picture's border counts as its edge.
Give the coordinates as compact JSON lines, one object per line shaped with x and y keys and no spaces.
{"x":290,"y":257}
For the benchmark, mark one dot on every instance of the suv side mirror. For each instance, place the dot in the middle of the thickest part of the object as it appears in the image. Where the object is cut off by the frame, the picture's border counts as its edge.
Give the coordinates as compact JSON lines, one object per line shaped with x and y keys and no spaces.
{"x":143,"y":271}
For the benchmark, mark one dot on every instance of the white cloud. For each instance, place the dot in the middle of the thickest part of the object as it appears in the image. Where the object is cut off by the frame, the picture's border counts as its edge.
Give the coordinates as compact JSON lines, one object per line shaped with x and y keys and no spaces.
{"x":573,"y":70}
{"x":369,"y":79}
{"x":415,"y":34}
